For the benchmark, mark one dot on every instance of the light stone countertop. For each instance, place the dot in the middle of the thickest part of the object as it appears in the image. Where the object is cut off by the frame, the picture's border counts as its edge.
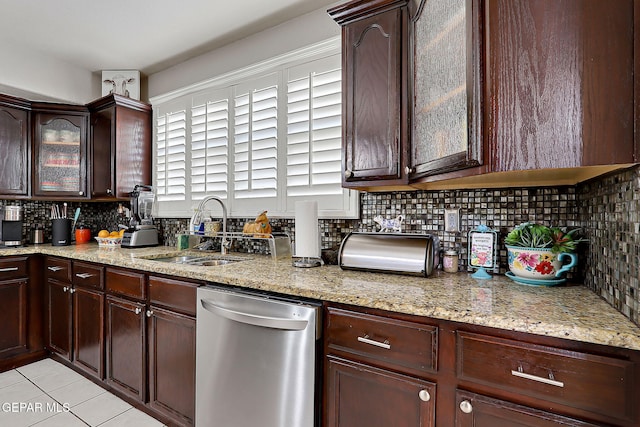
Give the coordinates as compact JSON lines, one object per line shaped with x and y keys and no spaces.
{"x":569,"y":312}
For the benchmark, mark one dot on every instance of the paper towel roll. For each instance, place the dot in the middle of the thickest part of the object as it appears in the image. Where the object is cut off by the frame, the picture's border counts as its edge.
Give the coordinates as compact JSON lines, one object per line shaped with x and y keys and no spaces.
{"x":307,"y":233}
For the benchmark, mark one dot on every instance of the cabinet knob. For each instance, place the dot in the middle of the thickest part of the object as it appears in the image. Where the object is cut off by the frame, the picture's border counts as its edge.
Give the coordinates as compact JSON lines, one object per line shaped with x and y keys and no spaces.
{"x":149,"y":313}
{"x":424,"y":395}
{"x":109,"y":191}
{"x":348,"y":173}
{"x":465,"y":406}
{"x":409,"y":170}
{"x":71,"y":290}
{"x":65,"y":288}
{"x":138,"y":310}
{"x":80,"y":193}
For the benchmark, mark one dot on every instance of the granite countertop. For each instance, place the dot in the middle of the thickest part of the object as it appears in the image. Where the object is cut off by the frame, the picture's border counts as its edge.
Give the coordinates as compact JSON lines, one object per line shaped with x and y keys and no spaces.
{"x":570,"y":312}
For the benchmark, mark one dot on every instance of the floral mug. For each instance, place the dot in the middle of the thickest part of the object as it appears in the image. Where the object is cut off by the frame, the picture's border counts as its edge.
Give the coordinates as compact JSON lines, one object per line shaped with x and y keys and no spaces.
{"x":539,"y":263}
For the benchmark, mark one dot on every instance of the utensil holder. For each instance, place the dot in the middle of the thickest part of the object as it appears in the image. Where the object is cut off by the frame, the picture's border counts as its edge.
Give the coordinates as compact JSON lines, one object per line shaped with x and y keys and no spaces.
{"x":61,"y":232}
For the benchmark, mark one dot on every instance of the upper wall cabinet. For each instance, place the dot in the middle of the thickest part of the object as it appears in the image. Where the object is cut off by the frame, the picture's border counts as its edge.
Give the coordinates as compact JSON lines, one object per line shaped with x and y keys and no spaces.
{"x":445,"y":47}
{"x":60,"y":147}
{"x":500,"y":92}
{"x":375,"y":126}
{"x":14,"y":147}
{"x":120,"y":134}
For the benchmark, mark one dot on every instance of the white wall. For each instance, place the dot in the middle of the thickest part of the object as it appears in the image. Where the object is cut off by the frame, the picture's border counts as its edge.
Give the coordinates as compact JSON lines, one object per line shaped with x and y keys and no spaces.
{"x":294,"y":34}
{"x":43,"y":76}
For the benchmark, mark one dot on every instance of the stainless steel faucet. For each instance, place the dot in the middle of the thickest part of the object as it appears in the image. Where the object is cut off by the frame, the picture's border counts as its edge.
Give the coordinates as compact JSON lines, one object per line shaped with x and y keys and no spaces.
{"x":224,"y":245}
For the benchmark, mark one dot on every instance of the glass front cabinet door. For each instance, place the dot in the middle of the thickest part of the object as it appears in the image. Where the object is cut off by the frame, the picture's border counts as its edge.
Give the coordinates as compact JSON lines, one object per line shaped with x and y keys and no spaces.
{"x":60,"y":155}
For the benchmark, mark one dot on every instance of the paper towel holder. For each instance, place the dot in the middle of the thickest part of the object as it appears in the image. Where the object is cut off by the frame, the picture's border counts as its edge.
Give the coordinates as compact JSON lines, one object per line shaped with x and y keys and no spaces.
{"x":306,"y":262}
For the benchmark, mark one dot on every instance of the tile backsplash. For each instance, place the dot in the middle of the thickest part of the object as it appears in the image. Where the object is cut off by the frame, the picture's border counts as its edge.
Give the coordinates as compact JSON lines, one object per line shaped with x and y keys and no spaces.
{"x":607,"y":210}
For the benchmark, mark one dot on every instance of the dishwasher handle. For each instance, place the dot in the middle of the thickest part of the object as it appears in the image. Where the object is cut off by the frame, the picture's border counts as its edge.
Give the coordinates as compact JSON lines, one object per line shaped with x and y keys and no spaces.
{"x":254,"y":319}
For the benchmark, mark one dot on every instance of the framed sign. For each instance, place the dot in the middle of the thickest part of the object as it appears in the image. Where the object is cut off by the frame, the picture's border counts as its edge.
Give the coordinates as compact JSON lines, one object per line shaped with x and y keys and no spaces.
{"x":483,"y":250}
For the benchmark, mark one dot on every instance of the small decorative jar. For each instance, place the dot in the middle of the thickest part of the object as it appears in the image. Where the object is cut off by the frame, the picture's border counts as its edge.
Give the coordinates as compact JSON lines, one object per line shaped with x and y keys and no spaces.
{"x":450,"y":261}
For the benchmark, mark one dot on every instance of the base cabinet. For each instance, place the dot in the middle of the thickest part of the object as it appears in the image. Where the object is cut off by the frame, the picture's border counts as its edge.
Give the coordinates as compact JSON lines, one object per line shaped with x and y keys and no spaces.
{"x":361,"y":395}
{"x":14,"y":305}
{"x":126,"y":347}
{"x":172,"y":364}
{"x":383,"y":369}
{"x":475,"y":410}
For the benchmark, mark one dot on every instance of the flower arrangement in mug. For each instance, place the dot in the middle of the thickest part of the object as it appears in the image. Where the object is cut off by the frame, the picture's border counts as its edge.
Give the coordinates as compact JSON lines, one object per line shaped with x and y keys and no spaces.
{"x":536,"y":251}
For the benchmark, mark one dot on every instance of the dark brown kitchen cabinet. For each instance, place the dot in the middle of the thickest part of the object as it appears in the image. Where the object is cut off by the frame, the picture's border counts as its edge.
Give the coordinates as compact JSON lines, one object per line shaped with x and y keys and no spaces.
{"x":14,"y":306}
{"x":59,"y":307}
{"x":15,"y":146}
{"x":362,"y":395}
{"x":383,"y":368}
{"x":126,"y":347}
{"x":172,"y":364}
{"x":75,"y":309}
{"x":60,"y":151}
{"x":498,"y":92}
{"x":120,"y":137}
{"x":172,"y":348}
{"x":374,"y":90}
{"x":88,"y":318}
{"x":373,"y":370}
{"x":475,"y":410}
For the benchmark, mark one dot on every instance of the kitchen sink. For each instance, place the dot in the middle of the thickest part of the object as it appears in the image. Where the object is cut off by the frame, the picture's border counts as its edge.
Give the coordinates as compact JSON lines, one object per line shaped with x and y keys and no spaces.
{"x":202,"y":260}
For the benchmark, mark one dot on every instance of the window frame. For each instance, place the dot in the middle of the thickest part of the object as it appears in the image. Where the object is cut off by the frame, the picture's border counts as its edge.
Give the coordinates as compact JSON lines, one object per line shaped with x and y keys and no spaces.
{"x":344,"y":205}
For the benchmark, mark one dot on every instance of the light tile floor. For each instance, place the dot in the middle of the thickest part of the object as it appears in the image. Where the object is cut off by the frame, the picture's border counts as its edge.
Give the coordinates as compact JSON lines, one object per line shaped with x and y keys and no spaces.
{"x":48,"y":394}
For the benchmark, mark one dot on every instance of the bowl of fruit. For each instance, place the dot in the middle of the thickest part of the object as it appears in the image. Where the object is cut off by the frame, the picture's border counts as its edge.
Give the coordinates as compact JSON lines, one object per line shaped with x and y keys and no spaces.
{"x":109,"y":239}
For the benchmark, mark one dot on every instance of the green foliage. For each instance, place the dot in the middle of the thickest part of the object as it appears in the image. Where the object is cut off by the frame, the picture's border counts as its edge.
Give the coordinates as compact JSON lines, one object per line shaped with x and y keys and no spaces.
{"x":557,"y":239}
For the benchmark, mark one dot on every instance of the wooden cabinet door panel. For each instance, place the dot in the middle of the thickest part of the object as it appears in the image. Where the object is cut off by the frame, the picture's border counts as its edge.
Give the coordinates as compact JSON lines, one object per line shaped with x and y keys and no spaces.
{"x":88,"y":308}
{"x":60,"y":318}
{"x":126,"y":347}
{"x":360,"y":395}
{"x":13,"y":317}
{"x":14,"y":151}
{"x":172,"y":364}
{"x":473,"y":410}
{"x":372,"y":66}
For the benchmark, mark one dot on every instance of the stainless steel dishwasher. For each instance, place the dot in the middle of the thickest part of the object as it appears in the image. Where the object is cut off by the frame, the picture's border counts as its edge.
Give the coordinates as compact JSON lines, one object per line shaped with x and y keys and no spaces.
{"x":256,"y":359}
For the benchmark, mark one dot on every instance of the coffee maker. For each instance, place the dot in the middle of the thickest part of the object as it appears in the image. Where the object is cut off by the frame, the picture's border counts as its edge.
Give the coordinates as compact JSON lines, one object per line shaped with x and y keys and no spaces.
{"x":141,"y":232}
{"x":10,"y":226}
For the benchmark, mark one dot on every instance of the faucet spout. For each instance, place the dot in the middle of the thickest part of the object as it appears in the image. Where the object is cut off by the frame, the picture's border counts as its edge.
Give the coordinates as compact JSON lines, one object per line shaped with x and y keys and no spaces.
{"x":224,"y":246}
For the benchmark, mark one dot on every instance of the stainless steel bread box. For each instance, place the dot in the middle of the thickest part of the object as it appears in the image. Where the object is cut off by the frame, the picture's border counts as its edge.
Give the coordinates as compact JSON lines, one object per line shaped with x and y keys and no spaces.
{"x":402,"y":253}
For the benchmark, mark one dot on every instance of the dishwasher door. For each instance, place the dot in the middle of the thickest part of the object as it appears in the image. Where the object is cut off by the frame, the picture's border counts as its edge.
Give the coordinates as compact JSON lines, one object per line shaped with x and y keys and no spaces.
{"x":255,"y":360}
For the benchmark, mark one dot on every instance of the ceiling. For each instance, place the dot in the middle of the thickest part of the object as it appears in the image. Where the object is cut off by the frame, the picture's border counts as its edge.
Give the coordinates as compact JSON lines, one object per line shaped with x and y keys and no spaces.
{"x":144,"y":35}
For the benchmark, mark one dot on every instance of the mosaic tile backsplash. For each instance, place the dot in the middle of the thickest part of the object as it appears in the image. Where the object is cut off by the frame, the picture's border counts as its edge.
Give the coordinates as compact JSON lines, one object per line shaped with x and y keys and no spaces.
{"x":607,"y":210}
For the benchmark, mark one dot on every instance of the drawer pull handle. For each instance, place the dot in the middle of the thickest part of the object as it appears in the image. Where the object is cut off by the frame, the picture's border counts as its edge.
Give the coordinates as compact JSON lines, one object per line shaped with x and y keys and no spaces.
{"x":368,"y":340}
{"x":8,"y":269}
{"x":424,"y":395}
{"x":55,"y":268}
{"x":84,"y":275}
{"x":551,"y":381}
{"x":465,"y":406}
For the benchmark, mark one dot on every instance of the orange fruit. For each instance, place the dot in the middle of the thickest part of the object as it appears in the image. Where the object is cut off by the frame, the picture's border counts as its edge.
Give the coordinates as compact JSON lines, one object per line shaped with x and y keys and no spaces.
{"x":103,"y":233}
{"x":114,"y":234}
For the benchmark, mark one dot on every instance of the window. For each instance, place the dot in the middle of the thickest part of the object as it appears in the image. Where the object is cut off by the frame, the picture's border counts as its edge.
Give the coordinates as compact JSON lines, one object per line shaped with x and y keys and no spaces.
{"x":260,"y":138}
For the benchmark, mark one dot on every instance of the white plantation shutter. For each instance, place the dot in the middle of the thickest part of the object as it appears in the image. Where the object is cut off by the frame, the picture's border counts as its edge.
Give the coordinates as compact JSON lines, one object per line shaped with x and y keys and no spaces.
{"x":256,"y":143}
{"x":210,"y":149}
{"x":171,"y":157}
{"x":314,"y":137}
{"x":261,"y":139}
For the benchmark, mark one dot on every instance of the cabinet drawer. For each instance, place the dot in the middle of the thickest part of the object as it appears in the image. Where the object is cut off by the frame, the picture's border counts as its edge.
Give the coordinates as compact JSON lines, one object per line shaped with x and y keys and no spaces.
{"x":88,"y":275}
{"x":174,"y":294}
{"x":13,"y":268}
{"x":394,"y":343}
{"x":124,"y":282}
{"x":602,"y":385}
{"x":59,"y":269}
